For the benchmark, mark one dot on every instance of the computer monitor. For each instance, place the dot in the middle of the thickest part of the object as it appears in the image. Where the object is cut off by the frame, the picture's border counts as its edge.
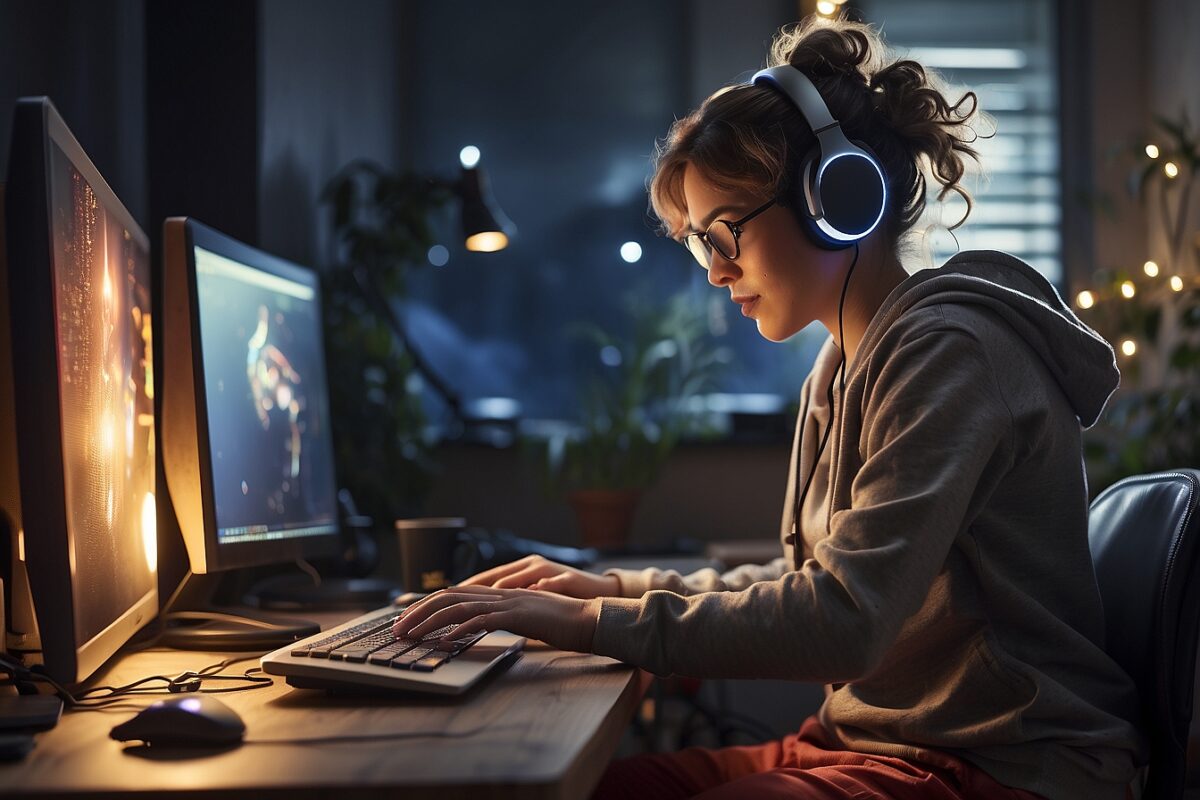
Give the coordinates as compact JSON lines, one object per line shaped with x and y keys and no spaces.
{"x":247,"y":445}
{"x":77,"y":436}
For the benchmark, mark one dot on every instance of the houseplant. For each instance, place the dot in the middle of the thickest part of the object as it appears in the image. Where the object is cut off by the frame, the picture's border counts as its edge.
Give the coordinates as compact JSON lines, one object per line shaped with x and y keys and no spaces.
{"x":381,"y":221}
{"x":1151,"y":314}
{"x":632,"y":413}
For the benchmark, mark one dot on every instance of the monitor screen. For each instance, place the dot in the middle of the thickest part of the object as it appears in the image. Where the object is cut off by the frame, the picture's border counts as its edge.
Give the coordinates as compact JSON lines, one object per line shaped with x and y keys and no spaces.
{"x":247,"y":445}
{"x":79,"y":468}
{"x":269,"y":440}
{"x":102,"y":302}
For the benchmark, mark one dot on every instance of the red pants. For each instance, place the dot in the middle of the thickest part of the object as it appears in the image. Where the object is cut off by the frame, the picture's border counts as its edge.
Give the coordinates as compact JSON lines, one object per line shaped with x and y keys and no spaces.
{"x":804,"y":765}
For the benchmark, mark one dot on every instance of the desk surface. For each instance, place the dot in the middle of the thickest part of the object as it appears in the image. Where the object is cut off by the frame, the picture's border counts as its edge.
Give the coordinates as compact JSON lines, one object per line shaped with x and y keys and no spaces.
{"x":543,"y":727}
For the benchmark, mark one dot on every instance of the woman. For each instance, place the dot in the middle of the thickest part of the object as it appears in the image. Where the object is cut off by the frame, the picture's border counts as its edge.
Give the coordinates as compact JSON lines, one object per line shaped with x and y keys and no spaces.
{"x":935,"y":570}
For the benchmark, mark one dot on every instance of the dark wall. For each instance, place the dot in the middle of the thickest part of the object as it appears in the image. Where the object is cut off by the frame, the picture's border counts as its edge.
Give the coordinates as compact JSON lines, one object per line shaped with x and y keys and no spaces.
{"x":89,"y":59}
{"x":330,"y":92}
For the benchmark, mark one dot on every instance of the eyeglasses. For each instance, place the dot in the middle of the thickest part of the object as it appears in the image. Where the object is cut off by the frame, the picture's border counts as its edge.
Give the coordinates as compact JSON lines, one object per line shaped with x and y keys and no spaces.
{"x":722,"y":236}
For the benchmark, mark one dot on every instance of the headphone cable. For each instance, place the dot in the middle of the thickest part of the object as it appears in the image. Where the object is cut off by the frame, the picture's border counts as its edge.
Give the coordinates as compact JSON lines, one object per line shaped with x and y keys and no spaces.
{"x":841,"y":373}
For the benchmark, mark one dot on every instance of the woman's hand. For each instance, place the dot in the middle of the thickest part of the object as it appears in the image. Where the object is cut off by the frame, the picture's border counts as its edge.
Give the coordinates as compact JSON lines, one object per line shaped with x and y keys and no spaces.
{"x":536,"y":572}
{"x":564,"y":622}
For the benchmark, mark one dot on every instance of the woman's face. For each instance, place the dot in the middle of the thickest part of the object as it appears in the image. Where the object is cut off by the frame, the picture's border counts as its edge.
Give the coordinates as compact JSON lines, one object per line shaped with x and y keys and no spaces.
{"x":780,"y":278}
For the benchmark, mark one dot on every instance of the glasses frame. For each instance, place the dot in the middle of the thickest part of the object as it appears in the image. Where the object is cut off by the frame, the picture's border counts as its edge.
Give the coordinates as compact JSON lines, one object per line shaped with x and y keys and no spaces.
{"x":735,"y":229}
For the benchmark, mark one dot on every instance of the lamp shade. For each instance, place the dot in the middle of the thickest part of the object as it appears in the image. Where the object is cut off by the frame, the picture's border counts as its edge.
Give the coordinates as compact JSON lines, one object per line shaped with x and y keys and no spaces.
{"x":485,"y":227}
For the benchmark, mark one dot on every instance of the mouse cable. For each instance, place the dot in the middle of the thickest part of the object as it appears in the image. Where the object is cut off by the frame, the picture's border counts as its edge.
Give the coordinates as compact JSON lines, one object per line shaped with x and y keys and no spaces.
{"x":187,"y":681}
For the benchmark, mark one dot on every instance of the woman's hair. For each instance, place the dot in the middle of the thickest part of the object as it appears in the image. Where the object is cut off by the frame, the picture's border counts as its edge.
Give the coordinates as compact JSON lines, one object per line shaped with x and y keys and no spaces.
{"x":747,"y":137}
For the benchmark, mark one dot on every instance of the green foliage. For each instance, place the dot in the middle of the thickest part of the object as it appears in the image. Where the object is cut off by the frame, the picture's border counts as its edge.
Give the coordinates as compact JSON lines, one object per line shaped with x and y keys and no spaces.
{"x":1153,"y":422}
{"x":634,"y":410}
{"x":381,"y":221}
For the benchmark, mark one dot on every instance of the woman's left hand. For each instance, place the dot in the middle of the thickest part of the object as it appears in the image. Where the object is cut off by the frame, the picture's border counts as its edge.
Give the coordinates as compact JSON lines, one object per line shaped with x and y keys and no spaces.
{"x":564,"y":622}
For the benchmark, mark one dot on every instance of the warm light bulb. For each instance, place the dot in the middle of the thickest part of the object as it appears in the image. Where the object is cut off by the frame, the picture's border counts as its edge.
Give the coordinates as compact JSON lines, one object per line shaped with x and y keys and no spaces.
{"x":1151,"y":269}
{"x":826,"y":7}
{"x":1129,"y":347}
{"x":1085,"y":299}
{"x":150,"y":531}
{"x":1171,"y":170}
{"x":1176,"y":283}
{"x":1152,"y":150}
{"x":1128,"y":289}
{"x":487,"y":242}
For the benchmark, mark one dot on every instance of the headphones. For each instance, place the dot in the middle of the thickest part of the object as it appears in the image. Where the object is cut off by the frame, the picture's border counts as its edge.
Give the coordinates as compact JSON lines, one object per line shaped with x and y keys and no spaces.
{"x":840,"y":192}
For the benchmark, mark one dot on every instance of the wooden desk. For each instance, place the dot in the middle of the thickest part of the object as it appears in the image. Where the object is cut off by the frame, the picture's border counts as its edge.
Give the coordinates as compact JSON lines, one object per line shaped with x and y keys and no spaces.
{"x":545,"y":727}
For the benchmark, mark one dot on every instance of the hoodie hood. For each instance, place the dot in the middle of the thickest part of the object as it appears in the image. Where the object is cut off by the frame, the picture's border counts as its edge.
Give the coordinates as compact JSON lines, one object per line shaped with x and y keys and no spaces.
{"x":1082,"y":362}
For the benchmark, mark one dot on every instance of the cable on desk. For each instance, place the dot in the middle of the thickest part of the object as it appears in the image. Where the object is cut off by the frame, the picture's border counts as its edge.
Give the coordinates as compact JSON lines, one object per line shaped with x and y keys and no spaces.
{"x":187,"y":681}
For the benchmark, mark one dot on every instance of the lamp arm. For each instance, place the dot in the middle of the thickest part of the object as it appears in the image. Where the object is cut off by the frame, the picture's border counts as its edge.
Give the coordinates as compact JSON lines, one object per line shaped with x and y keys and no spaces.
{"x":374,"y":295}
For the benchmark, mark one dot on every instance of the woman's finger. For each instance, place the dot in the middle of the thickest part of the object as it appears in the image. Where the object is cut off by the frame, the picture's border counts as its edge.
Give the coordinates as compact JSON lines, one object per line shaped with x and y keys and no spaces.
{"x":527,"y":576}
{"x":491,"y":621}
{"x":451,"y":615}
{"x":490,"y":576}
{"x":419,"y":611}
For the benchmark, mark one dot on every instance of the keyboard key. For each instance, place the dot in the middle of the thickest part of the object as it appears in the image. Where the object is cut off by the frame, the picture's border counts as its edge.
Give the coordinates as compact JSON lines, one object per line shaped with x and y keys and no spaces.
{"x":323,"y":647}
{"x":385,"y":655}
{"x":406,"y":660}
{"x":431,"y":661}
{"x":456,"y":646}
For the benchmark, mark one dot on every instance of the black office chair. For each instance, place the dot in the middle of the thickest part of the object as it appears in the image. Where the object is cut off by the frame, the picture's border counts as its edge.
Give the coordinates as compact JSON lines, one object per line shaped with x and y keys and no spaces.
{"x":1144,"y":534}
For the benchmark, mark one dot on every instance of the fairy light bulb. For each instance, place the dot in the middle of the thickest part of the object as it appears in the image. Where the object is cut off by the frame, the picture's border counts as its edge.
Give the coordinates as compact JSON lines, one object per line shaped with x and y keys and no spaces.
{"x":1128,"y":290}
{"x":1171,"y":170}
{"x":1176,"y":283}
{"x":1085,"y":299}
{"x":826,"y":7}
{"x":1129,"y":347}
{"x":1151,"y":269}
{"x":1152,"y":150}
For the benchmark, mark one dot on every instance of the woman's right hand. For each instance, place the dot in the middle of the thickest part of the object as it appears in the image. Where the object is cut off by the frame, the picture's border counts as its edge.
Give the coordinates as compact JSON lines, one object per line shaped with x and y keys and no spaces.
{"x":538,"y":572}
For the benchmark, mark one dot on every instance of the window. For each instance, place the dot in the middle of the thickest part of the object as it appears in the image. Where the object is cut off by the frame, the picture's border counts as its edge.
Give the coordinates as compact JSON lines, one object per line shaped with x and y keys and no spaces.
{"x":565,"y":102}
{"x":1005,"y":53}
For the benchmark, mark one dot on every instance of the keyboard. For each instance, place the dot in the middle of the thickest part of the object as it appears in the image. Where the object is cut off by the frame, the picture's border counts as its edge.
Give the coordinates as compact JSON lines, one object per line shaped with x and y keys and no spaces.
{"x":363,"y":654}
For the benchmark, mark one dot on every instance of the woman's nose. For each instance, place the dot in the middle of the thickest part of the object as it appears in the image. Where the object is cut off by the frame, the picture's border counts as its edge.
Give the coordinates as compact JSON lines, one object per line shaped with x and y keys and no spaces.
{"x":722,"y":271}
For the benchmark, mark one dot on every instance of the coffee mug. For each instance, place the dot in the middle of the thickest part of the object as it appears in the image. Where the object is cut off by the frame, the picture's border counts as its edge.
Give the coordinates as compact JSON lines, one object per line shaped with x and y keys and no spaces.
{"x":435,"y":552}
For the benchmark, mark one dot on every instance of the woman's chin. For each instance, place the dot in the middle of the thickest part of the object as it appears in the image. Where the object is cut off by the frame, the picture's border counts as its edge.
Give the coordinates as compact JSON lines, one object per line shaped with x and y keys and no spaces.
{"x":768,"y":332}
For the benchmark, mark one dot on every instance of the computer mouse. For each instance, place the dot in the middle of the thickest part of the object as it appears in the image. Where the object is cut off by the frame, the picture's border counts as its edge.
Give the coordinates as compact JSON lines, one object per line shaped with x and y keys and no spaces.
{"x":193,"y":721}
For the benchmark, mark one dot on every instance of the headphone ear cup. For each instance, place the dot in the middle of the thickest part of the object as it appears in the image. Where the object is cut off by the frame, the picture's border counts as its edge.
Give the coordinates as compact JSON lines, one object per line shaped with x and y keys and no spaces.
{"x":799,"y":200}
{"x":802,"y":194}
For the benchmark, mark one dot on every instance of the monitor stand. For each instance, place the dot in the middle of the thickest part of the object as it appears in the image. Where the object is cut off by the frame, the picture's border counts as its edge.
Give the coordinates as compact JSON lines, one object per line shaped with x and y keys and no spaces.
{"x":303,"y":591}
{"x":210,"y":629}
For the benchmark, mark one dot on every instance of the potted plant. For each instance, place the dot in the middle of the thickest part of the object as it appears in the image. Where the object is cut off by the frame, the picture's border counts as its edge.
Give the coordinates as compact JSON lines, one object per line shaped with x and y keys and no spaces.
{"x":633,"y":415}
{"x":381,"y":222}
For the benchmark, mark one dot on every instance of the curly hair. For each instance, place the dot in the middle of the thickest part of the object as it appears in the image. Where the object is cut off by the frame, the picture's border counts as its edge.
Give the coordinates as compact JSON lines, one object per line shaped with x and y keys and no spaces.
{"x":747,"y":137}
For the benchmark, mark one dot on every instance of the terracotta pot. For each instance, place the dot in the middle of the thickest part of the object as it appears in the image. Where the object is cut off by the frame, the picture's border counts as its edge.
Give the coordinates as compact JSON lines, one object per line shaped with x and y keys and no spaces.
{"x":605,"y":515}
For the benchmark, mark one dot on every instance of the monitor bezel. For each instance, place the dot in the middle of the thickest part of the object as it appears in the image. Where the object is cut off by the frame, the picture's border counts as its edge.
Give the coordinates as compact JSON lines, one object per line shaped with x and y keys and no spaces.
{"x":233,"y":555}
{"x":48,"y":540}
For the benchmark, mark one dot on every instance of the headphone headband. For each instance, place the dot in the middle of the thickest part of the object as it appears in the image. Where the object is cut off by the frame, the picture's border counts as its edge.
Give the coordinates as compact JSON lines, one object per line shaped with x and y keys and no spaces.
{"x":843,"y":204}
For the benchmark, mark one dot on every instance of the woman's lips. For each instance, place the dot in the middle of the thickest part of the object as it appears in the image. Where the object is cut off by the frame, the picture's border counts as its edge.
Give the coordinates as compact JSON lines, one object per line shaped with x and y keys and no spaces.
{"x":748,"y":304}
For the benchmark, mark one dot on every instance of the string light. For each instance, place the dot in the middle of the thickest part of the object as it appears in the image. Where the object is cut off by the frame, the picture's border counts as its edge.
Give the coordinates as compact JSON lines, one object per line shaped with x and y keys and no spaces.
{"x":1129,"y":347}
{"x":1151,"y":269}
{"x":1152,"y":150}
{"x":1128,"y":289}
{"x":826,"y":8}
{"x":1171,"y":170}
{"x":1176,"y":283}
{"x":1085,"y":300}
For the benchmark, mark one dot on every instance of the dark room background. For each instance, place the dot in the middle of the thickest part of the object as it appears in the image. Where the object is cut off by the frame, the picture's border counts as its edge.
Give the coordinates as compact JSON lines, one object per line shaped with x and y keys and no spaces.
{"x":238,"y":113}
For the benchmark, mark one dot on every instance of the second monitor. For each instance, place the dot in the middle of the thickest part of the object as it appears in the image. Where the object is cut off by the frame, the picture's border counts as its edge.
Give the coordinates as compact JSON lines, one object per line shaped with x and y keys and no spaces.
{"x":247,"y":445}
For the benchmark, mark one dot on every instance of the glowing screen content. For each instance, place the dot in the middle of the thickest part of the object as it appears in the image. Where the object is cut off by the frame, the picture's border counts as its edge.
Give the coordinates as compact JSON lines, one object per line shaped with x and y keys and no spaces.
{"x":105,"y":362}
{"x":268,"y":411}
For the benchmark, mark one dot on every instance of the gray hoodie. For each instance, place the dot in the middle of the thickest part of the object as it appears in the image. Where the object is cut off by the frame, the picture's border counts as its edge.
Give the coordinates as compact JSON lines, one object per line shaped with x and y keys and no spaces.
{"x":945,"y":588}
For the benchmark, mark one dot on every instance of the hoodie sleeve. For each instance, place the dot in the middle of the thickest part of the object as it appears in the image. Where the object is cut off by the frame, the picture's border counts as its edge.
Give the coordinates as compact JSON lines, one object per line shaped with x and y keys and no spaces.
{"x":934,"y":442}
{"x":635,"y":583}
